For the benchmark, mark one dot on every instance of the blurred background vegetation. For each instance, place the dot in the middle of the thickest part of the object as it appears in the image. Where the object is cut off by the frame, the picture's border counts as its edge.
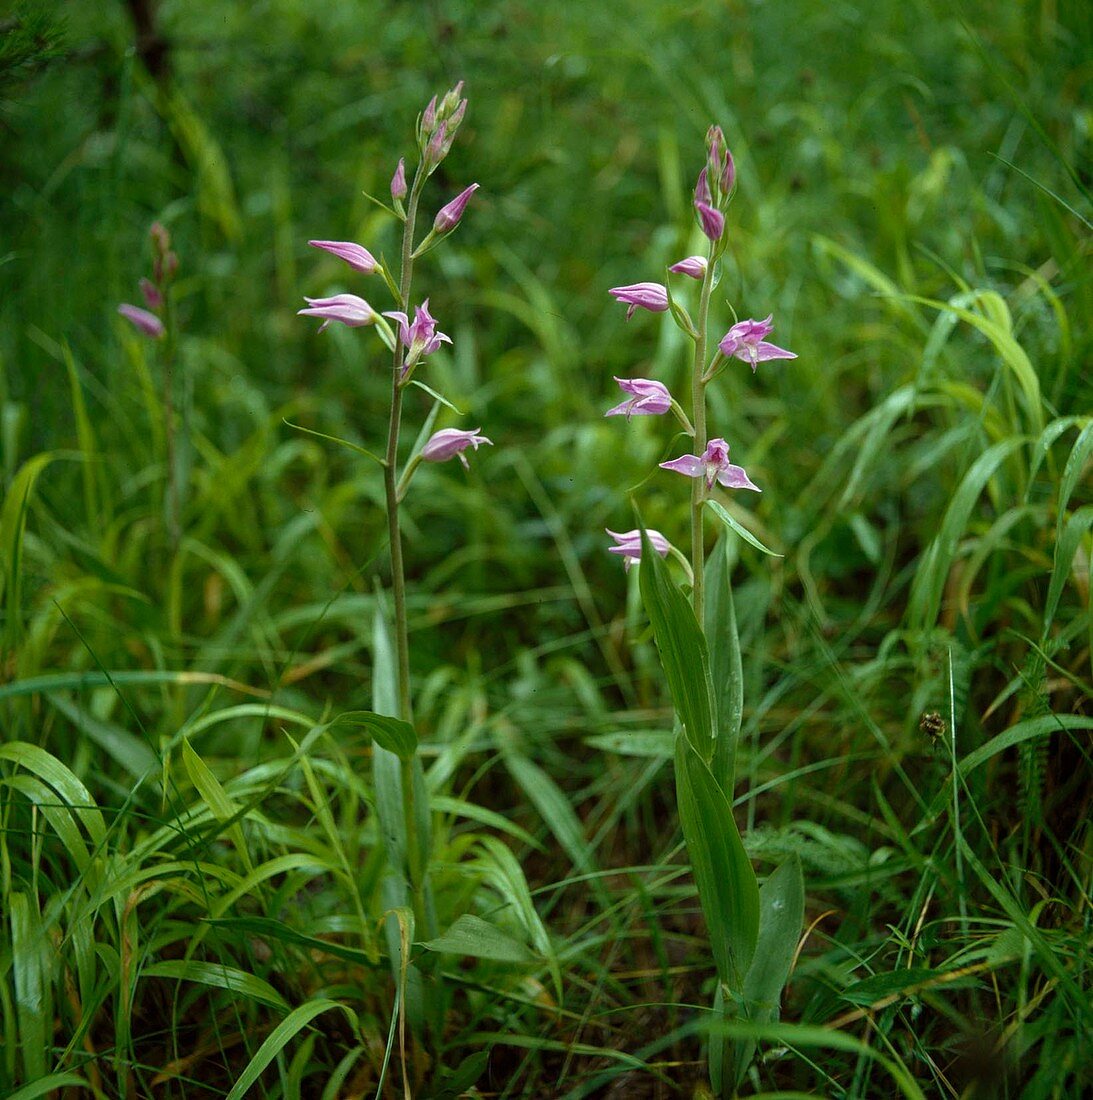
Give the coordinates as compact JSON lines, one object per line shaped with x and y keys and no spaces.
{"x":912,"y":207}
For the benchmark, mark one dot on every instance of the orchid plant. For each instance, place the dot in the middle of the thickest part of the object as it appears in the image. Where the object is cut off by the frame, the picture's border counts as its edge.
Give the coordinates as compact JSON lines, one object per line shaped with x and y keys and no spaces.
{"x":156,"y":320}
{"x":753,"y":930}
{"x":401,"y":794}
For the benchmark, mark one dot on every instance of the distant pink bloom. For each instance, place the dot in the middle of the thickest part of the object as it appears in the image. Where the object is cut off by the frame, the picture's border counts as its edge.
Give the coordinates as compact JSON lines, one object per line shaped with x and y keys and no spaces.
{"x":746,"y":341}
{"x":146,"y":322}
{"x":420,"y":338}
{"x":713,"y":464}
{"x":650,"y":296}
{"x":398,"y":181}
{"x":152,"y":297}
{"x":712,"y":220}
{"x":357,"y":256}
{"x":694,"y":266}
{"x":628,"y":545}
{"x":347,"y":309}
{"x":451,"y":443}
{"x":448,"y":216}
{"x":647,"y":398}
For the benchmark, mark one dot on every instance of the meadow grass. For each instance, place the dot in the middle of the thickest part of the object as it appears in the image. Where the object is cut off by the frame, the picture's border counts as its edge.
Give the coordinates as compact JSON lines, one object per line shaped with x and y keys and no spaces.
{"x":191,"y":868}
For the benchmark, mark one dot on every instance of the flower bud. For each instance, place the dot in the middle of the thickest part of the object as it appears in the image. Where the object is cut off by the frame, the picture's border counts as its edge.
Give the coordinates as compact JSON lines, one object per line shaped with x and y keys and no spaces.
{"x":398,"y":181}
{"x":448,"y":216}
{"x":143,"y":321}
{"x":152,"y":297}
{"x":161,"y":239}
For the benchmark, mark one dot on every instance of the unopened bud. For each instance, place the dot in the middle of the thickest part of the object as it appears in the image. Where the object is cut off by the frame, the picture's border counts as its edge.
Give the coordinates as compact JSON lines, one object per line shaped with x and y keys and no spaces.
{"x":152,"y":297}
{"x":161,"y":239}
{"x":398,"y":181}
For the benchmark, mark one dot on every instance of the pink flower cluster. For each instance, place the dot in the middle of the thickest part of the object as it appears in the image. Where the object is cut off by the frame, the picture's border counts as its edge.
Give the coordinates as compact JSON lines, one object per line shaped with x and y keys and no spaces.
{"x":154,"y":291}
{"x":745,"y":340}
{"x":419,"y":338}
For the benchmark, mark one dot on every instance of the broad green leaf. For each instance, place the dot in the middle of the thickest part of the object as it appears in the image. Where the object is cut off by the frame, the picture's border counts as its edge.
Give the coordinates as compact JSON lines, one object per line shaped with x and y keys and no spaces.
{"x":683,"y":654}
{"x":726,"y":670}
{"x":471,"y":935}
{"x":781,"y":915}
{"x":219,"y":977}
{"x":279,"y":1038}
{"x":727,"y":887}
{"x":393,"y":734}
{"x":742,"y":531}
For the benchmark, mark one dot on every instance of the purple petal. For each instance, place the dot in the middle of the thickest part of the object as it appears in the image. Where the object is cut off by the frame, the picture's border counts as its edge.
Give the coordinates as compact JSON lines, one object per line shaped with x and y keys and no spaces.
{"x":765,"y":351}
{"x":146,"y":322}
{"x":688,"y":465}
{"x":734,"y":477}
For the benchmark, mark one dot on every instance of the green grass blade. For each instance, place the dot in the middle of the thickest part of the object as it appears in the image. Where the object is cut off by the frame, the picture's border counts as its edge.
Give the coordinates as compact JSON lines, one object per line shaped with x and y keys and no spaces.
{"x":280,"y":1037}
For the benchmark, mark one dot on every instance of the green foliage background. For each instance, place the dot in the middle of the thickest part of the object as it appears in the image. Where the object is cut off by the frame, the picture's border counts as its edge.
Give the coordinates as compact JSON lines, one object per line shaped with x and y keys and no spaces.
{"x":898,"y":162}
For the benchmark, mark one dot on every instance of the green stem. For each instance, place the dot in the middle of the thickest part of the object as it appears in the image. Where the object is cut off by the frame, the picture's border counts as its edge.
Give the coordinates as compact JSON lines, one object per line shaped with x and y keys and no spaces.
{"x":390,"y":470}
{"x":171,"y":504}
{"x":698,"y":417}
{"x":414,"y":862}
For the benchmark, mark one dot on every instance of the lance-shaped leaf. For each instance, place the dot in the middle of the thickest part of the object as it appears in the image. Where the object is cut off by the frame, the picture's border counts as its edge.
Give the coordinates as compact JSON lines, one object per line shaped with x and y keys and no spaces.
{"x":726,"y":672}
{"x":781,"y":914}
{"x":726,"y":882}
{"x":683,"y":653}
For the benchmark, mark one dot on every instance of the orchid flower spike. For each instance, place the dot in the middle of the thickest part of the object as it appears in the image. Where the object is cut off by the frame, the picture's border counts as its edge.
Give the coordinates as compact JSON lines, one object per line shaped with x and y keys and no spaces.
{"x":713,"y":464}
{"x":357,"y":256}
{"x":347,"y":309}
{"x":746,"y":341}
{"x":141,"y":319}
{"x":628,"y":545}
{"x":650,"y":296}
{"x":451,"y":443}
{"x":420,"y":338}
{"x":694,"y":266}
{"x":647,"y":398}
{"x":448,"y":216}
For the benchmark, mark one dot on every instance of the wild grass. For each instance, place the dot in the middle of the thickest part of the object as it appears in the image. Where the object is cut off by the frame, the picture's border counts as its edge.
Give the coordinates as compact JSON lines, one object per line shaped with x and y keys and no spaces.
{"x":190,"y":866}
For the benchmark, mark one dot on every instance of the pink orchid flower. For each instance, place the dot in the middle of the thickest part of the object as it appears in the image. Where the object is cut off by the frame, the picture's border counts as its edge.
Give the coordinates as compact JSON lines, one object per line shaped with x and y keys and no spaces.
{"x":650,"y":296}
{"x":746,"y":341}
{"x":347,"y":309}
{"x":628,"y":545}
{"x":694,"y":266}
{"x":141,"y":319}
{"x":713,"y":464}
{"x":451,"y":443}
{"x":357,"y":256}
{"x":647,"y":398}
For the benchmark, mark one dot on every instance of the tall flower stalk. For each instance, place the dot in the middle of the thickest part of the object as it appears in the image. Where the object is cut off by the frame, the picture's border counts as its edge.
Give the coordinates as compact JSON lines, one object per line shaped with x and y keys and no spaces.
{"x":699,"y":647}
{"x":156,"y":320}
{"x":410,"y":341}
